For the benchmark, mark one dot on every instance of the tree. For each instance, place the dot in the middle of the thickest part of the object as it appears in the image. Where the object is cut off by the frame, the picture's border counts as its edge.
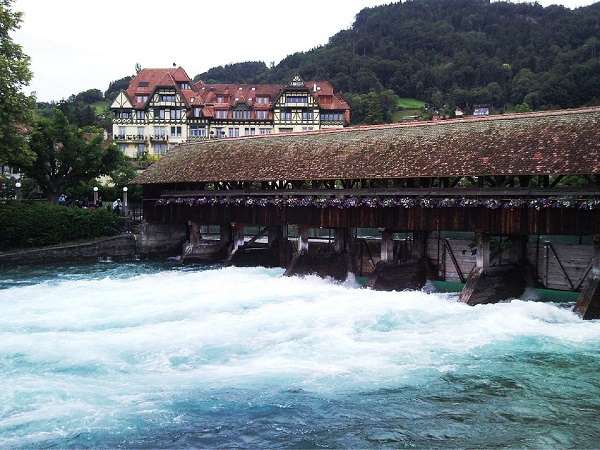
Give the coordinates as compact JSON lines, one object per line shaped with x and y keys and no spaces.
{"x":67,"y":156}
{"x":16,"y":108}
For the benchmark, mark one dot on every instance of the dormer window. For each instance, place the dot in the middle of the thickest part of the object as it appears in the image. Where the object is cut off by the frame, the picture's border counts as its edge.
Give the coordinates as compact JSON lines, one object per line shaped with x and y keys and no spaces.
{"x":167,"y":98}
{"x":184,"y":86}
{"x":220,"y":99}
{"x":262,"y":100}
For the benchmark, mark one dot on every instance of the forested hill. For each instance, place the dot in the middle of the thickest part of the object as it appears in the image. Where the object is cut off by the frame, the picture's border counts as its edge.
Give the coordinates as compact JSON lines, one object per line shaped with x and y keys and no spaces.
{"x":454,"y":53}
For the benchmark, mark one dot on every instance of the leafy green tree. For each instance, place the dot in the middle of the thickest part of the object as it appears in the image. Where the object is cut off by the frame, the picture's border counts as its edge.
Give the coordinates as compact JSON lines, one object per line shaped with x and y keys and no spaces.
{"x":67,"y":156}
{"x":16,"y":108}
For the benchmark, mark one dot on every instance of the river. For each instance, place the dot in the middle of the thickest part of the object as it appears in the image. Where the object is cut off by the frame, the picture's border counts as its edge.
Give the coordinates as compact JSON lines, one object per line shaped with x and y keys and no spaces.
{"x":158,"y":355}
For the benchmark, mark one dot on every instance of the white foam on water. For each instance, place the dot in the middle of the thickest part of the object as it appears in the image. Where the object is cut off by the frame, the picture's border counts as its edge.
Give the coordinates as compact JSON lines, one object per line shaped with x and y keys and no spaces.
{"x":81,"y":354}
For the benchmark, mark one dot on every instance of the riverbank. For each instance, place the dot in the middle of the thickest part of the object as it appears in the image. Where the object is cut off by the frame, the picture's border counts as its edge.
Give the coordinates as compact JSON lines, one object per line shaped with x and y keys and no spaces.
{"x":119,"y":248}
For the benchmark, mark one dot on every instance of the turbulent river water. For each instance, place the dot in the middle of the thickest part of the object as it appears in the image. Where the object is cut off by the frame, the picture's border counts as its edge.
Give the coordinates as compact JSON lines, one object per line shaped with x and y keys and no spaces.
{"x":156,"y":355}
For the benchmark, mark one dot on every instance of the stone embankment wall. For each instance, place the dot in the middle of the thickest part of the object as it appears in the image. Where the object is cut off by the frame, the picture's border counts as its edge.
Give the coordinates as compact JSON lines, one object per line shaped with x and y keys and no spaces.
{"x":122,"y":247}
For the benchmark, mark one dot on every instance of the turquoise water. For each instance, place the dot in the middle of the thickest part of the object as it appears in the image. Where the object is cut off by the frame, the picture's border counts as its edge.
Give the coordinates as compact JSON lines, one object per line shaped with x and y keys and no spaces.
{"x":162,"y":356}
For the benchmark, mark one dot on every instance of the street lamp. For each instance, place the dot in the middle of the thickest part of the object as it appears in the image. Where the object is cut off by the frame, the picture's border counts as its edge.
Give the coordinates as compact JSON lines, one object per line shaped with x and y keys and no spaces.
{"x":18,"y":191}
{"x":95,"y":195}
{"x":125,"y":200}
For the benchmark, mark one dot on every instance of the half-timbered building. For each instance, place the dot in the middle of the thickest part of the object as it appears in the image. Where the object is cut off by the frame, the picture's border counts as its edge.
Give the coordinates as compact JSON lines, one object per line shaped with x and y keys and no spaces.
{"x":164,"y":107}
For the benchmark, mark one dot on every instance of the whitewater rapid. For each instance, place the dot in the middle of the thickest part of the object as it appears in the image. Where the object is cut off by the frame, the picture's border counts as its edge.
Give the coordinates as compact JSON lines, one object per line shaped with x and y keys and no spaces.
{"x":122,"y":355}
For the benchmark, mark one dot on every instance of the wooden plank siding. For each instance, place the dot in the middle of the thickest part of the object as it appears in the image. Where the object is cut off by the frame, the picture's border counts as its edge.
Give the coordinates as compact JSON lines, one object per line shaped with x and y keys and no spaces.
{"x":501,"y":221}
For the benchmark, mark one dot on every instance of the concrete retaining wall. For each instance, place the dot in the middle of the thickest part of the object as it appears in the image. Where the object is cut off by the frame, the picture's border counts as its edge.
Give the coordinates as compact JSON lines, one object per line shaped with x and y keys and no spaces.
{"x":122,"y":247}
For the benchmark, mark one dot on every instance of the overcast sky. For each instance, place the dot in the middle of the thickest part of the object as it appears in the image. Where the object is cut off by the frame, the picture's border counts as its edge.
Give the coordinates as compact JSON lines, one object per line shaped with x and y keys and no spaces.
{"x":76,"y":45}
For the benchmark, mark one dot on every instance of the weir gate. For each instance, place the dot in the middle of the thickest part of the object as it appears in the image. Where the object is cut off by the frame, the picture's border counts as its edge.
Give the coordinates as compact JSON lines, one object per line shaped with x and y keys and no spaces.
{"x":500,"y":204}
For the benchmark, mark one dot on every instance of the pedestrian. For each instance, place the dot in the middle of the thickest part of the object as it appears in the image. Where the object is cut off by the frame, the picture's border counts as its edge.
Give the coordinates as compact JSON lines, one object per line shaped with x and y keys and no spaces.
{"x":117,"y":207}
{"x":129,"y":222}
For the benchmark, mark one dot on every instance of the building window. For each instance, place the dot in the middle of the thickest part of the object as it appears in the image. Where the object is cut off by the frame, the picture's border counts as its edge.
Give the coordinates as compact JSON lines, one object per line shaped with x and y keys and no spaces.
{"x":160,"y":149}
{"x":262,"y":100}
{"x":197,"y":131}
{"x":142,"y":98}
{"x":167,"y":98}
{"x":249,"y":131}
{"x":159,"y":113}
{"x":122,"y":147}
{"x":261,"y":114}
{"x":286,"y":130}
{"x":234,"y":132}
{"x":197,"y":111}
{"x":265,"y":131}
{"x":184,"y":86}
{"x":123,"y":114}
{"x":141,"y":132}
{"x":332,"y":117}
{"x":160,"y":132}
{"x":140,"y":150}
{"x":221,"y":114}
{"x":220,"y":99}
{"x":121,"y":133}
{"x":175,"y":131}
{"x":308,"y":115}
{"x":139,"y":115}
{"x":219,"y":132}
{"x":286,"y":114}
{"x":241,"y":114}
{"x":175,"y":114}
{"x":297,"y":99}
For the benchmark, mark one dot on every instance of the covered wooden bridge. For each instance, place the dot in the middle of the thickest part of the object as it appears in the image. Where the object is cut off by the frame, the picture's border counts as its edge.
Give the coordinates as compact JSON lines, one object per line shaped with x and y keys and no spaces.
{"x":511,"y":181}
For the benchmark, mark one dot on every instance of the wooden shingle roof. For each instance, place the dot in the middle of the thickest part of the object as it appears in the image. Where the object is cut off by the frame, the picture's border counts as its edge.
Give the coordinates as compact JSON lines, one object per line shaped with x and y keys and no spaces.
{"x":556,"y":142}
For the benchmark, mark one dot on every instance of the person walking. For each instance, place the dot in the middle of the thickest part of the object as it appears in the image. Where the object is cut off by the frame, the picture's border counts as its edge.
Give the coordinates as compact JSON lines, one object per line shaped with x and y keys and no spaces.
{"x":117,"y":207}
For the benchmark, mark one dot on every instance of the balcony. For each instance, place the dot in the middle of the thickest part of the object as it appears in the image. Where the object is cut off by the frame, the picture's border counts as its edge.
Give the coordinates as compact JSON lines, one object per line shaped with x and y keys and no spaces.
{"x":159,"y":137}
{"x":130,"y":137}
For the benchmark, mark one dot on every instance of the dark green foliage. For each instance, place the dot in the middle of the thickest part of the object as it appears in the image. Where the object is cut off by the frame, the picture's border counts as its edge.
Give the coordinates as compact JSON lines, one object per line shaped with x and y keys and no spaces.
{"x":454,"y":53}
{"x":67,"y":156}
{"x":39,"y":224}
{"x":245,"y":72}
{"x":117,"y":86}
{"x":16,"y":108}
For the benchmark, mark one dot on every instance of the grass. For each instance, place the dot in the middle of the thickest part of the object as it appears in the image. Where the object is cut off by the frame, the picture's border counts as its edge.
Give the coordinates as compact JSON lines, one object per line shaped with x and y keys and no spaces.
{"x":410,"y":103}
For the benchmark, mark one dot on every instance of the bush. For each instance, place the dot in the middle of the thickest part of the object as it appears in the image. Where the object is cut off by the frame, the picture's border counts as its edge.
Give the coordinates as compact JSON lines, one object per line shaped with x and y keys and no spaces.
{"x":39,"y":224}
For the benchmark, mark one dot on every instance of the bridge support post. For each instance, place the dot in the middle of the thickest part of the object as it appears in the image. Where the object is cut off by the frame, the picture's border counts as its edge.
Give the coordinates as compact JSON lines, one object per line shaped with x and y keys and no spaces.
{"x":334,"y":264}
{"x":487,"y":284}
{"x":588,"y":302}
{"x":387,"y":245}
{"x":419,"y":245}
{"x":340,"y":237}
{"x":238,"y":235}
{"x":302,"y":240}
{"x":394,"y":275}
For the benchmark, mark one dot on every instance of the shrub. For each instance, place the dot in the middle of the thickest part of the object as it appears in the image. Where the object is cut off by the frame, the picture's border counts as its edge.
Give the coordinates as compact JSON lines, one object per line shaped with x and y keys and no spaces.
{"x":39,"y":224}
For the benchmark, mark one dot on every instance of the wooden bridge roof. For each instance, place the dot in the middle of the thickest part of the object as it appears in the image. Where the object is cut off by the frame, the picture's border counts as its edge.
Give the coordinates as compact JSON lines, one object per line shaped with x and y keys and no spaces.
{"x":555,"y":142}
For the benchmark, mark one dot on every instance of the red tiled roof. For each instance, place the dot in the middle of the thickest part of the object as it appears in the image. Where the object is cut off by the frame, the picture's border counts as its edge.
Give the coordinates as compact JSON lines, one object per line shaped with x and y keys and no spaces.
{"x":146,"y":81}
{"x":556,"y":142}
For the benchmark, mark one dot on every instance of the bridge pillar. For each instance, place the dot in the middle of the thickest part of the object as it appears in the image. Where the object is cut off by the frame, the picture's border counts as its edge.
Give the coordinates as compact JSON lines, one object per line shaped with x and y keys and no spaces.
{"x":302,"y":240}
{"x":588,"y":302}
{"x":419,"y":245}
{"x":225,"y":231}
{"x":387,"y":245}
{"x":486,"y":284}
{"x":238,"y":235}
{"x":340,"y":237}
{"x":393,"y":275}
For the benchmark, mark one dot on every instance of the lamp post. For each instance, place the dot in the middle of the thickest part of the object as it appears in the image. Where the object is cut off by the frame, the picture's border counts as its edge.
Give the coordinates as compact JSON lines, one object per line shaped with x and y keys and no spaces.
{"x":18,"y":191}
{"x":95,"y":195}
{"x":125,"y":200}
